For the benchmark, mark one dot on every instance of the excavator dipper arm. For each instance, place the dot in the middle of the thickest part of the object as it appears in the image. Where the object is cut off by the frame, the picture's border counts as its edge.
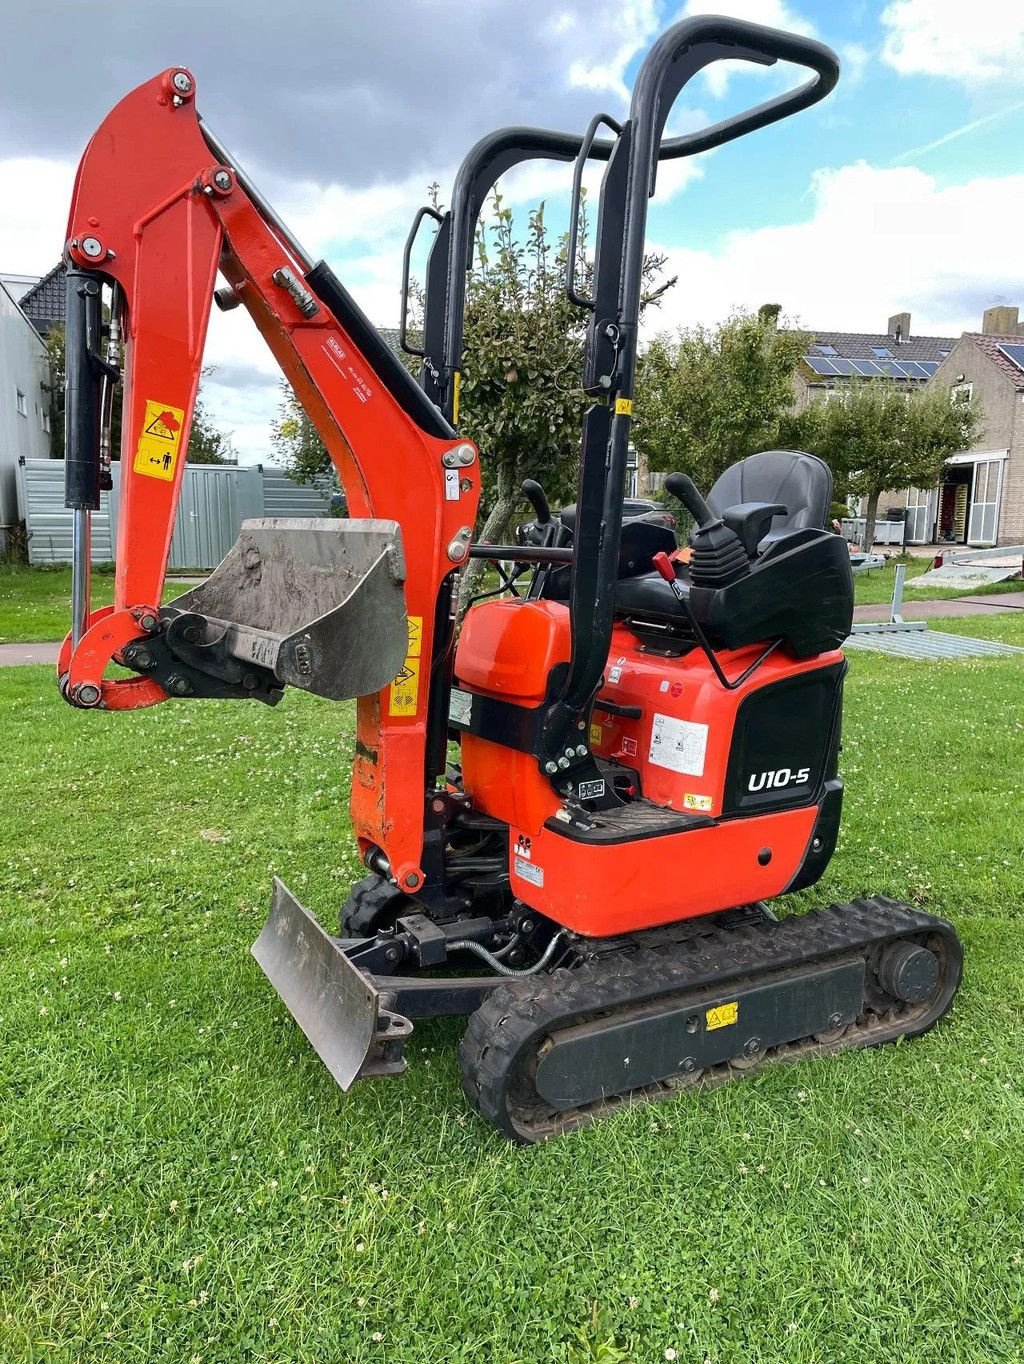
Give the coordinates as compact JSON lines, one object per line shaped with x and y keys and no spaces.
{"x":155,"y":214}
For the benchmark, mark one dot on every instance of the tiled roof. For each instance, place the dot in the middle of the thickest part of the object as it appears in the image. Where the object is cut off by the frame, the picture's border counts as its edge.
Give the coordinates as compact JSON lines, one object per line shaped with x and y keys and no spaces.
{"x":858,"y":345}
{"x":43,"y":305}
{"x":989,"y":346}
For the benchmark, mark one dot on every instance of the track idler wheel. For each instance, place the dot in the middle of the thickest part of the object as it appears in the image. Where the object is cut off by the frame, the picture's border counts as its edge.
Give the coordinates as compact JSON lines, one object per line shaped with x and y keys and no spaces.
{"x":909,"y":972}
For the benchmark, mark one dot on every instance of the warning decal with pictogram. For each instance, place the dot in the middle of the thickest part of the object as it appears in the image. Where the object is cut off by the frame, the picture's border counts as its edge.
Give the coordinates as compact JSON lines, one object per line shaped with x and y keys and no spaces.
{"x":156,"y":455}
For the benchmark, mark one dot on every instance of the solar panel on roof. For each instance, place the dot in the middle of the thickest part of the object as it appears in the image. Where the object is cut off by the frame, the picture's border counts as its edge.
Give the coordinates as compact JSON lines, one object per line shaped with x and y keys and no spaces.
{"x":929,"y":366}
{"x":914,"y":369}
{"x":844,"y":366}
{"x":819,"y":365}
{"x":1014,"y":353}
{"x":868,"y":368}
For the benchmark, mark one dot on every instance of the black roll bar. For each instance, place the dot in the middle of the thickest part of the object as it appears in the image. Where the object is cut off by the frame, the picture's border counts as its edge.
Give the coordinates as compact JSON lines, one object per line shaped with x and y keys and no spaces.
{"x":675,"y":58}
{"x":497,"y":153}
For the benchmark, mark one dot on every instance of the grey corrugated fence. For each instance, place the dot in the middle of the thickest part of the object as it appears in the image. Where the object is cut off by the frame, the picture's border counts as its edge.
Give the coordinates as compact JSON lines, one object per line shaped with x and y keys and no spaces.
{"x":215,"y":500}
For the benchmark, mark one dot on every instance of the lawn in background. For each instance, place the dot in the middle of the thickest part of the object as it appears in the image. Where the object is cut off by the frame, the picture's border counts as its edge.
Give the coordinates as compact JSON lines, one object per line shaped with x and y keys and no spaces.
{"x":874,"y":585}
{"x":35,"y":603}
{"x":180,"y":1180}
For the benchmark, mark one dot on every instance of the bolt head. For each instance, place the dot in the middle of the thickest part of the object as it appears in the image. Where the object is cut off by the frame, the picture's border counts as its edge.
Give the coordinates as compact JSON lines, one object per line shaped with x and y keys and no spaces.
{"x":222,"y":179}
{"x":581,"y":750}
{"x":148,"y":622}
{"x":449,"y":459}
{"x":551,"y":768}
{"x":834,"y":1020}
{"x":92,"y":247}
{"x":182,"y":82}
{"x":87,"y":694}
{"x":465,"y":454}
{"x":563,"y":763}
{"x":752,"y":1046}
{"x":411,"y":880}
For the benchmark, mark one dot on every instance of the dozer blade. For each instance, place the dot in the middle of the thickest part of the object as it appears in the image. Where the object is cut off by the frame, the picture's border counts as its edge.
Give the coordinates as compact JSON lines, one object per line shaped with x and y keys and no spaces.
{"x":318,"y":602}
{"x":333,"y":1002}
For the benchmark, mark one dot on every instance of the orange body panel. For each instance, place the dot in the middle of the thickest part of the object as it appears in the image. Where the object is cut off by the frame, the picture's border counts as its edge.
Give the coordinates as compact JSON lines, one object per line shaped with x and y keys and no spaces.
{"x":145,"y":190}
{"x":605,"y":889}
{"x":506,"y":649}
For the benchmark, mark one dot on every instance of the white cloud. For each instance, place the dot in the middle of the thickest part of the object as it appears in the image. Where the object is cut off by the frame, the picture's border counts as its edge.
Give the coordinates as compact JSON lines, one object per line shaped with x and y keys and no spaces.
{"x":876,"y":242}
{"x":771,"y":13}
{"x":638,"y":21}
{"x":980,"y":41}
{"x":36,"y":194}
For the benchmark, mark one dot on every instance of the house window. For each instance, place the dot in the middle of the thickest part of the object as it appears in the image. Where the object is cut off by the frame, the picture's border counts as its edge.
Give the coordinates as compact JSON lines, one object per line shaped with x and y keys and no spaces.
{"x":44,"y":420}
{"x":825,"y":350}
{"x":961,"y":393}
{"x":883,"y":352}
{"x":22,"y":402}
{"x":836,"y":395}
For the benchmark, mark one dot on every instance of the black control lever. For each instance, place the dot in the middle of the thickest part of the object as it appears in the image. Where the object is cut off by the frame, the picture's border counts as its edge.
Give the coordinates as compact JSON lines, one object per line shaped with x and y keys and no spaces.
{"x":683,"y":488}
{"x":534,"y":494}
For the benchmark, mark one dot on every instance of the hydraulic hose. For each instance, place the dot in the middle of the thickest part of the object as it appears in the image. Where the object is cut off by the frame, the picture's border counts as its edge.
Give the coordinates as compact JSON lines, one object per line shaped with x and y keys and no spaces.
{"x":468,"y":946}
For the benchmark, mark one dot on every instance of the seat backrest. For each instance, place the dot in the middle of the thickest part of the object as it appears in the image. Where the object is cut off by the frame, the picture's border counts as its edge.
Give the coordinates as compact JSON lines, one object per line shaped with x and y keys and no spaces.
{"x":802,"y":483}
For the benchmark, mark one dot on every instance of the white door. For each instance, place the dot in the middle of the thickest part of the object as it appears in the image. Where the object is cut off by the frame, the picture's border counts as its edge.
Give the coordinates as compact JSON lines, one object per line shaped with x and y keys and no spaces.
{"x":983,"y":524}
{"x":921,"y":509}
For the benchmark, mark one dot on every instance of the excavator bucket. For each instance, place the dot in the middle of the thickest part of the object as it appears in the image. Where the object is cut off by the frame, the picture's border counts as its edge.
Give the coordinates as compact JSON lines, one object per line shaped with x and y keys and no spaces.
{"x":318,"y":602}
{"x":335,"y":1004}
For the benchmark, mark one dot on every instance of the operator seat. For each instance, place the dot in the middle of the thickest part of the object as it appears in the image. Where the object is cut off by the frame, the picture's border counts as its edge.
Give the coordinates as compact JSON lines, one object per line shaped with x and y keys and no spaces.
{"x":799,"y":482}
{"x":798,"y":585}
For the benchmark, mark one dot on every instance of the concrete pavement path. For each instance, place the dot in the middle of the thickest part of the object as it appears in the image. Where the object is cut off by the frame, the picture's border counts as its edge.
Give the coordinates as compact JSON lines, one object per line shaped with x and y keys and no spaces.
{"x":28,"y":653}
{"x":978,"y":605}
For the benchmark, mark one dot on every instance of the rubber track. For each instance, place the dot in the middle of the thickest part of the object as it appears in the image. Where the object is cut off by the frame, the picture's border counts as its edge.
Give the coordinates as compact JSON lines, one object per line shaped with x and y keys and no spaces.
{"x":506,"y":1034}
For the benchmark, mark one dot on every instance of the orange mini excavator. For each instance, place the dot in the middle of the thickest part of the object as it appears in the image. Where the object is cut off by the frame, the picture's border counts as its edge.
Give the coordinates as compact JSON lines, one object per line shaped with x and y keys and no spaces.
{"x":647,"y":752}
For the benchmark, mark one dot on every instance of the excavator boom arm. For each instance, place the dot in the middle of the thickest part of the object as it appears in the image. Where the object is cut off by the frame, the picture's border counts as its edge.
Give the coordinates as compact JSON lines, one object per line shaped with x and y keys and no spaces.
{"x":155,"y":214}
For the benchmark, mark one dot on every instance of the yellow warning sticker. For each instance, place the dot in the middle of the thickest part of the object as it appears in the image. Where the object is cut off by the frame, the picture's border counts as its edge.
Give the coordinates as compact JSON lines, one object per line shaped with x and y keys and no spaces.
{"x":692,"y":801}
{"x":623,"y":407}
{"x":596,"y":734}
{"x":722,"y":1015}
{"x":456,"y":391}
{"x":405,"y":689}
{"x":156,"y":454}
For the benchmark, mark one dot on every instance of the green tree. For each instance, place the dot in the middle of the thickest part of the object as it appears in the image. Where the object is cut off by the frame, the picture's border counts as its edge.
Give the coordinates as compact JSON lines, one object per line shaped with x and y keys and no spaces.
{"x":297,"y":440}
{"x":207,"y":444}
{"x":55,"y":389}
{"x":878,"y":434}
{"x":708,"y":396}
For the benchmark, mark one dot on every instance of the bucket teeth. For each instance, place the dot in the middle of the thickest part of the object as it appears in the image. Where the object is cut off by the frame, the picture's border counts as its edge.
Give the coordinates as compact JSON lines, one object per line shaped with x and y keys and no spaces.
{"x":317,"y":602}
{"x":333,"y":1002}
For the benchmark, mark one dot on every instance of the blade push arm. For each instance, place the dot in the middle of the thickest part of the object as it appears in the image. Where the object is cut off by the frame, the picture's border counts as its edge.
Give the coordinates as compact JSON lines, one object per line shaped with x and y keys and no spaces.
{"x":157,"y":213}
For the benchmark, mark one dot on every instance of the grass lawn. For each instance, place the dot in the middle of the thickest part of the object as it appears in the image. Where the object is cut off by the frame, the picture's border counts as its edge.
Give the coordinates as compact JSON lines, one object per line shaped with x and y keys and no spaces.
{"x":875,"y":585}
{"x":35,"y":603}
{"x":181,"y":1181}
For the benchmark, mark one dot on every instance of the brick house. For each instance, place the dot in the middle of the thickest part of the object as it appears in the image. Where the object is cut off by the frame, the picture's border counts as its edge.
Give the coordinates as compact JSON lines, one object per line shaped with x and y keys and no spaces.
{"x":979,"y":501}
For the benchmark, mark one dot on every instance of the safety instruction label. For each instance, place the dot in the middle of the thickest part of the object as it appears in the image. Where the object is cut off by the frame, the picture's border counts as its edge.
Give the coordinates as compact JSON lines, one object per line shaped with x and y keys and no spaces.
{"x":679,"y":745}
{"x":405,"y":689}
{"x":596,"y":734}
{"x":722,"y":1015}
{"x":691,"y":801}
{"x":156,"y":454}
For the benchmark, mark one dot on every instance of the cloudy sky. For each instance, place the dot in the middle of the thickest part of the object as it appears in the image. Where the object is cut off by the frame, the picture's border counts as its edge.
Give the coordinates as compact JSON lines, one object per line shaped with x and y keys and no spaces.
{"x":903,"y":190}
